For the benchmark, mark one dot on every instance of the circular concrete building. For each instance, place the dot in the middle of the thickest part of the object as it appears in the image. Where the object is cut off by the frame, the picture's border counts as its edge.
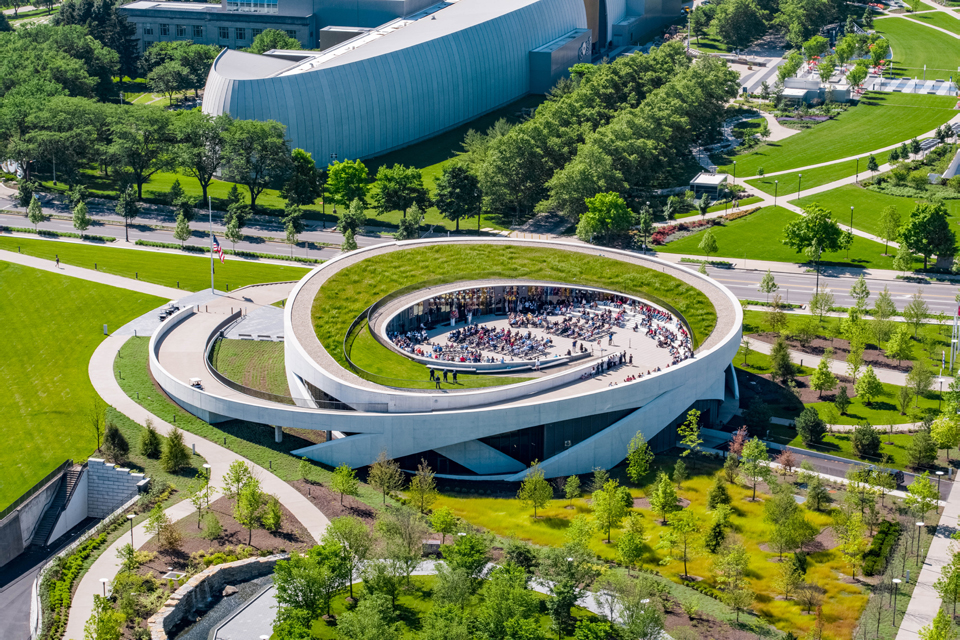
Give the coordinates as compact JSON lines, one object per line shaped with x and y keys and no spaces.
{"x":479,"y":356}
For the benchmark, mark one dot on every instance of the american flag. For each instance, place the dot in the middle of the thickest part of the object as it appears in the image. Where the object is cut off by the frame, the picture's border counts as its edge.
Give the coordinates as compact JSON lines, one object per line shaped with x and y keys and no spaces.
{"x":218,"y":249}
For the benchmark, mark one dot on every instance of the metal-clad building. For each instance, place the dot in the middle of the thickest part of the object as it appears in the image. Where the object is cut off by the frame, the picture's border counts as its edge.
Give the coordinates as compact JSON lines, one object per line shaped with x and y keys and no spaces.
{"x":405,"y":81}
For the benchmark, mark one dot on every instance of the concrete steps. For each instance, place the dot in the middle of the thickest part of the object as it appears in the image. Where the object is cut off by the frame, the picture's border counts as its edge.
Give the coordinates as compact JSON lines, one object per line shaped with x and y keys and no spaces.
{"x":52,"y":514}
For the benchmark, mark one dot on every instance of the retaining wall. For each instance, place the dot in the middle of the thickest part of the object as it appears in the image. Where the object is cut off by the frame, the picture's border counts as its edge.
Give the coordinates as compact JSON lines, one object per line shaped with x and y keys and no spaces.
{"x":110,"y":486}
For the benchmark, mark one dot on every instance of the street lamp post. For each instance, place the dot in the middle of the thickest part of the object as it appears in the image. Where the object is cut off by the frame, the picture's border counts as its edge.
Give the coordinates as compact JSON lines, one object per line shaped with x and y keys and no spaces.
{"x":799,"y":182}
{"x":333,"y":159}
{"x":776,"y":187}
{"x":851,"y":230}
{"x":130,"y":517}
{"x":856,"y":178}
{"x":896,"y":592}
{"x":104,"y":582}
{"x":919,"y":536}
{"x":939,"y":475}
{"x":734,"y":172}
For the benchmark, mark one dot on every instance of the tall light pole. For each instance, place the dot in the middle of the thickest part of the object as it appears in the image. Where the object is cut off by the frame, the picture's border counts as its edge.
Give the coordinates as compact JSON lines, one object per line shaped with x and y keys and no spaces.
{"x":776,"y":187}
{"x":856,"y":178}
{"x":939,"y":475}
{"x":896,"y":592}
{"x":851,"y":231}
{"x":799,"y":182}
{"x":130,"y":517}
{"x":734,"y":172}
{"x":919,"y":536}
{"x":333,"y":159}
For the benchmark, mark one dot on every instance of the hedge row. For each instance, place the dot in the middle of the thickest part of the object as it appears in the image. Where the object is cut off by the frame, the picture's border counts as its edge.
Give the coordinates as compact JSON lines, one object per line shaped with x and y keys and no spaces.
{"x":875,"y":559}
{"x":57,"y":234}
{"x":232,"y":252}
{"x":715,"y":263}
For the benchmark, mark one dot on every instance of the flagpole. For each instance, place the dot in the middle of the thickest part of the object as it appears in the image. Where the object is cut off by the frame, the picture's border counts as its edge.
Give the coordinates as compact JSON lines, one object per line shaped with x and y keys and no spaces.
{"x":210,"y":217}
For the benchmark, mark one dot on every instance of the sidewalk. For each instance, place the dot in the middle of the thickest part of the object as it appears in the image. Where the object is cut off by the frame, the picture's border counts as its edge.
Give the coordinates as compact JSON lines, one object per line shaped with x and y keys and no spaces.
{"x":219,"y":458}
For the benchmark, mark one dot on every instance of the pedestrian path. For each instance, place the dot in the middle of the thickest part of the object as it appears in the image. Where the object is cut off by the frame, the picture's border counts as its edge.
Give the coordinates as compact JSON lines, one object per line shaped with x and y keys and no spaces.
{"x":219,"y":458}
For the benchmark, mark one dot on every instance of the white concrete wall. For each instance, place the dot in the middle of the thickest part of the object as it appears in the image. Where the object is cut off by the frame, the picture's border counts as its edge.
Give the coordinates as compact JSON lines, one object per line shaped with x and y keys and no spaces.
{"x":75,"y":511}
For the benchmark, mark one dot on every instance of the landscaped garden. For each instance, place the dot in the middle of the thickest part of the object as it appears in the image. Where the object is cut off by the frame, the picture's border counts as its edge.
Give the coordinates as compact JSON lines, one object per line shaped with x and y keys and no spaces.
{"x":758,"y":237}
{"x":53,"y":325}
{"x":879,"y":120}
{"x":353,"y":289}
{"x":187,"y":272}
{"x":915,"y":46}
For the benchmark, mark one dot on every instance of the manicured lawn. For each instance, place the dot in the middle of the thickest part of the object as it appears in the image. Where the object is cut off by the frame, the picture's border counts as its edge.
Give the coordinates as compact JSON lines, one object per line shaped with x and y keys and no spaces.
{"x":759,"y":363}
{"x":710,"y":43}
{"x":915,"y":45}
{"x":191,"y":272}
{"x":880,"y":119}
{"x":720,"y":207}
{"x":251,"y":440}
{"x":138,"y":463}
{"x":938,"y":19}
{"x":868,"y":205}
{"x":882,"y":411}
{"x":415,"y":602}
{"x":353,"y":289}
{"x":257,"y":364}
{"x":788,"y":182}
{"x":758,"y":238}
{"x":52,"y":325}
{"x":843,"y":602}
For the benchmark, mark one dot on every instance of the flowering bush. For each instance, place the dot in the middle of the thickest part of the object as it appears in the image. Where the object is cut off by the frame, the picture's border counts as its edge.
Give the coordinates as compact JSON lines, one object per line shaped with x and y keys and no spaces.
{"x":662,"y":234}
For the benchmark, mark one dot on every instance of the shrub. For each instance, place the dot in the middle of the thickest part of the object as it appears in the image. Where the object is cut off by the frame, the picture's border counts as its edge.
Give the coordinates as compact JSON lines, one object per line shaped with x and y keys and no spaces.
{"x":57,"y":234}
{"x":150,"y":444}
{"x":875,"y":559}
{"x":211,"y":526}
{"x":241,"y":254}
{"x":114,"y":444}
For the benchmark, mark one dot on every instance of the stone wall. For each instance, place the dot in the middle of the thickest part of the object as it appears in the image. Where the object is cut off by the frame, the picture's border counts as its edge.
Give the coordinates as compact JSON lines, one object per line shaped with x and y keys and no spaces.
{"x":110,"y":486}
{"x":201,"y":588}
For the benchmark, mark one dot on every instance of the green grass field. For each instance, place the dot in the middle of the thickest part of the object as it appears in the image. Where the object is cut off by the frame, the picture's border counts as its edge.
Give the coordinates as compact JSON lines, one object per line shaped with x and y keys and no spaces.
{"x":915,"y":45}
{"x":882,"y":411}
{"x":758,"y":236}
{"x":510,"y":518}
{"x":720,"y":207}
{"x":52,"y":325}
{"x":938,"y":19}
{"x":868,"y":205}
{"x":788,"y":183}
{"x":880,"y":119}
{"x":257,"y":364}
{"x":353,"y":289}
{"x":192,"y":272}
{"x":710,"y":43}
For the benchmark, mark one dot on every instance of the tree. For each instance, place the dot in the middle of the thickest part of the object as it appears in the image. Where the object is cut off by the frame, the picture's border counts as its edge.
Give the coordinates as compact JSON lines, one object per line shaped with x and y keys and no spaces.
{"x":900,"y":346}
{"x":398,"y":188}
{"x":874,"y":167}
{"x":821,"y":302}
{"x":105,"y":623}
{"x":780,"y":366}
{"x":703,"y":204}
{"x":639,"y":457}
{"x":817,"y":494}
{"x":373,"y":619}
{"x":708,"y":244}
{"x":303,"y":186}
{"x":861,"y":293}
{"x":81,"y":221}
{"x":853,"y":542}
{"x":128,"y":208}
{"x":273,"y":516}
{"x":718,"y":494}
{"x":256,"y":155}
{"x":443,"y":522}
{"x":347,"y":181}
{"x":345,"y":482}
{"x":688,"y":433}
{"x":458,"y":194}
{"x":571,"y":489}
{"x":916,"y":311}
{"x":922,"y":450}
{"x":757,"y":416}
{"x":776,"y":318}
{"x":238,"y":474}
{"x":182,"y":231}
{"x":599,"y":480}
{"x":140,"y":145}
{"x":663,"y":498}
{"x":768,"y":285}
{"x":249,"y":507}
{"x":349,"y":243}
{"x":233,"y":233}
{"x":150,"y":444}
{"x":175,"y":455}
{"x":810,"y":426}
{"x":355,"y":542}
{"x":506,"y":597}
{"x":409,"y":227}
{"x":699,"y":21}
{"x":630,"y":545}
{"x":270,"y":39}
{"x":822,"y":378}
{"x":739,"y":22}
{"x":685,"y":534}
{"x":948,"y":584}
{"x":922,"y":495}
{"x":739,"y":600}
{"x":607,"y":216}
{"x":869,"y":386}
{"x":920,"y":379}
{"x":866,"y":440}
{"x":787,"y":579}
{"x":842,"y":401}
{"x":168,"y":79}
{"x":927,"y":232}
{"x":352,"y":219}
{"x":945,"y":432}
{"x":306,"y":583}
{"x":423,"y":488}
{"x":385,"y":475}
{"x":680,"y":473}
{"x":814,"y":233}
{"x":753,"y":465}
{"x":35,"y":213}
{"x":293,"y":223}
{"x":939,"y":629}
{"x":645,"y":225}
{"x":535,"y":491}
{"x":114,"y":444}
{"x":826,"y":68}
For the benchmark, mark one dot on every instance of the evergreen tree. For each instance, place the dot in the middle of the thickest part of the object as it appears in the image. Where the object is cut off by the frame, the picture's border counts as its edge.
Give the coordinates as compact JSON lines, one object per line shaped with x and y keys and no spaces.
{"x":175,"y":455}
{"x":114,"y":444}
{"x":780,"y":366}
{"x":842,"y":401}
{"x":150,"y":443}
{"x":679,"y":473}
{"x":718,"y":494}
{"x":349,"y":243}
{"x":182,"y":231}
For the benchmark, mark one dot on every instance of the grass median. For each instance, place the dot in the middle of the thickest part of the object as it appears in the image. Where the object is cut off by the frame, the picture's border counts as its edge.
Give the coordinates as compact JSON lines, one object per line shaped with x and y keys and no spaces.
{"x":787,"y":184}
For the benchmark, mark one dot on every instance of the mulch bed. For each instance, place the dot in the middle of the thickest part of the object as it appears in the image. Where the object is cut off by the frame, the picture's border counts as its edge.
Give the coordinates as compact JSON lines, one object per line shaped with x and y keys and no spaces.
{"x":291,"y":536}
{"x":808,"y":395}
{"x":704,"y":625}
{"x":328,"y":501}
{"x":841,"y":348}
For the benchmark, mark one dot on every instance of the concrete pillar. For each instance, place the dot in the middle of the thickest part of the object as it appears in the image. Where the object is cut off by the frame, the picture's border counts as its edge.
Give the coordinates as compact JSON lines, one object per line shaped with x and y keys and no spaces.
{"x":278,"y":434}
{"x":328,"y":436}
